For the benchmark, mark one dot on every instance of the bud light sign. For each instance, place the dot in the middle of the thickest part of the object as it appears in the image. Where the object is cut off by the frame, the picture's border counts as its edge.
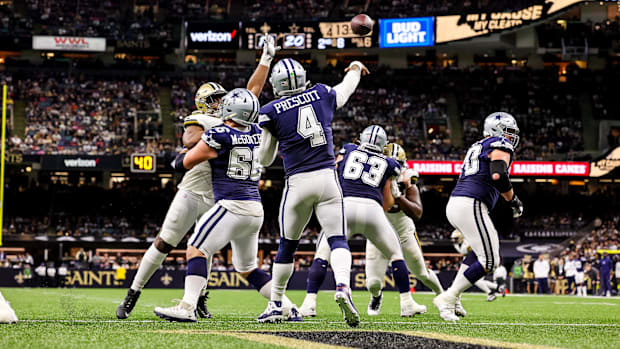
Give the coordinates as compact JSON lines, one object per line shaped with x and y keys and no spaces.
{"x":406,"y":32}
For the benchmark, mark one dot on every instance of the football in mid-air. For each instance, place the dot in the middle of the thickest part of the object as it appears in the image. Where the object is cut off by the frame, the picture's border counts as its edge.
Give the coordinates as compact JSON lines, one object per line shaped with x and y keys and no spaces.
{"x":361,"y":24}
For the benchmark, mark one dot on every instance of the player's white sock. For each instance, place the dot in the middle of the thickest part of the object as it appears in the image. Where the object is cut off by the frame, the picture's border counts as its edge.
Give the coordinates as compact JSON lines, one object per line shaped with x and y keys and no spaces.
{"x":341,"y":265}
{"x":151,"y":261}
{"x":417,"y":266}
{"x":459,"y":285}
{"x":281,"y":274}
{"x":432,"y":281}
{"x":265,"y":291}
{"x":375,"y":272}
{"x":584,"y":291}
{"x":310,"y":297}
{"x":194,"y":284}
{"x":204,"y":290}
{"x":405,"y":297}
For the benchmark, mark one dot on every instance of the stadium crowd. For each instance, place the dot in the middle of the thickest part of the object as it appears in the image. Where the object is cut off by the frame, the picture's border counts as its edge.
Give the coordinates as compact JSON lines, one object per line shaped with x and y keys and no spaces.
{"x":87,"y":115}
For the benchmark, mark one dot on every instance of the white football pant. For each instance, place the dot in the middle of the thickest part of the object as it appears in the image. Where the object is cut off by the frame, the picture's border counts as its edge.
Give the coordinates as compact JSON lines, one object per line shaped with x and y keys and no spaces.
{"x":219,"y":226}
{"x":471,"y":217}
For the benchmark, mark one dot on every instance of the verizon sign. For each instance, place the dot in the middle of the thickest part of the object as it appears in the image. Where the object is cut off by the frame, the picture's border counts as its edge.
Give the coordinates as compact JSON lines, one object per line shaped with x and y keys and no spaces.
{"x":519,"y":168}
{"x":68,"y":43}
{"x":79,"y":162}
{"x":203,"y":35}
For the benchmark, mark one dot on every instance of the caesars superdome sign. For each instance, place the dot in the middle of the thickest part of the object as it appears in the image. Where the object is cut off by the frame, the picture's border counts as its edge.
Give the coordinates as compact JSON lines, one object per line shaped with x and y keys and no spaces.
{"x":469,"y":25}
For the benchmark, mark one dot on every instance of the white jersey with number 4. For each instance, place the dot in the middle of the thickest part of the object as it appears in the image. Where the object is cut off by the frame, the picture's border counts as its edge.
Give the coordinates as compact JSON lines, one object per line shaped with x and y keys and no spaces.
{"x":198,"y":179}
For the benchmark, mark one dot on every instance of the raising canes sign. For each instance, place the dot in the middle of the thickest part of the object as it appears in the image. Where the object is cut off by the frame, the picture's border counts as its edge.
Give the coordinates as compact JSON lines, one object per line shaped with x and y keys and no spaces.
{"x":518,"y":168}
{"x":469,"y":25}
{"x":68,"y":43}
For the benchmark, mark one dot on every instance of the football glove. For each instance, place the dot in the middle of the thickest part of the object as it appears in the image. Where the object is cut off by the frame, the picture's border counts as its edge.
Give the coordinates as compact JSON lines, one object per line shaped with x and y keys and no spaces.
{"x":269,"y":51}
{"x":517,"y":206}
{"x":395,"y":189}
{"x":362,"y":68}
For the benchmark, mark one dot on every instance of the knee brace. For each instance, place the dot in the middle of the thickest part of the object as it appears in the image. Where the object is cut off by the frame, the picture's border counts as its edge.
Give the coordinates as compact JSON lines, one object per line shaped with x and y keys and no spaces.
{"x":286,"y":251}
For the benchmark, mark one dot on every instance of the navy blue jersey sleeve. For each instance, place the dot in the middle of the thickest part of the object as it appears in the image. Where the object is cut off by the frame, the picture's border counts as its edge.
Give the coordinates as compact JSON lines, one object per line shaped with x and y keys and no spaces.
{"x":329,"y":94}
{"x":501,"y":144}
{"x":217,"y":138}
{"x":394,"y":168}
{"x":347,"y":148}
{"x":265,"y":119}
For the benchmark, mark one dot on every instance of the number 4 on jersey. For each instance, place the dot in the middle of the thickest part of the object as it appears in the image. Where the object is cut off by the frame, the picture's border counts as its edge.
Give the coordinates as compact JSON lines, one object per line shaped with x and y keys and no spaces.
{"x":308,"y":126}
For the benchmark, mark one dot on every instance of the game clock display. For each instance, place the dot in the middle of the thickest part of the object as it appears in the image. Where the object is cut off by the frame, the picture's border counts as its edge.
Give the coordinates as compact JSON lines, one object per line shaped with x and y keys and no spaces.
{"x":143,"y":163}
{"x":306,"y":35}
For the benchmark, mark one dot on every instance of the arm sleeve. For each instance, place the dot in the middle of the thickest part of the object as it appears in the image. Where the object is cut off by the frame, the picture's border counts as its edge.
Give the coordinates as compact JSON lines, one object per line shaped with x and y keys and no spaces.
{"x":268,"y":148}
{"x":345,"y":89}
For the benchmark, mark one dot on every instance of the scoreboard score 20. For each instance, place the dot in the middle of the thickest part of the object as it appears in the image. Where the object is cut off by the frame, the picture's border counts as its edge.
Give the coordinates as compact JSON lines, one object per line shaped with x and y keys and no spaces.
{"x":143,"y":163}
{"x":306,"y":35}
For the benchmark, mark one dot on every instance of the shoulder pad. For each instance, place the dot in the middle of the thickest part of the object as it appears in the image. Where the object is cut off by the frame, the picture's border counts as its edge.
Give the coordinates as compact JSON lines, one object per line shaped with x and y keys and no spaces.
{"x":503,"y":144}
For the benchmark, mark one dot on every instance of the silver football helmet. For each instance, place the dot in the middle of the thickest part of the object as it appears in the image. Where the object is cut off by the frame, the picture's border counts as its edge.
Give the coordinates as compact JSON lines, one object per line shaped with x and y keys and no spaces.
{"x":373,"y":138}
{"x":288,"y":77}
{"x":502,"y":124}
{"x":239,"y":105}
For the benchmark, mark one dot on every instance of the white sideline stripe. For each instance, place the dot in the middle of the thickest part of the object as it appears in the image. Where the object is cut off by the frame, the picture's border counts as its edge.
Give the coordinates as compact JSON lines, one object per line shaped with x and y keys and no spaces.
{"x":335,"y":322}
{"x":586,"y":303}
{"x":150,"y":321}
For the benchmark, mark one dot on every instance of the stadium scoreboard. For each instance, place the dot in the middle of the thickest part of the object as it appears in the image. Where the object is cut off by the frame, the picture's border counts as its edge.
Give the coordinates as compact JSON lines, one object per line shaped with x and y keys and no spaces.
{"x":143,"y":163}
{"x":305,"y":35}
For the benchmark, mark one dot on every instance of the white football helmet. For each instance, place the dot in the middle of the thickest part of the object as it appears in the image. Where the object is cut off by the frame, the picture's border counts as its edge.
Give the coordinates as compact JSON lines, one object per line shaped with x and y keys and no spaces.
{"x":502,"y":124}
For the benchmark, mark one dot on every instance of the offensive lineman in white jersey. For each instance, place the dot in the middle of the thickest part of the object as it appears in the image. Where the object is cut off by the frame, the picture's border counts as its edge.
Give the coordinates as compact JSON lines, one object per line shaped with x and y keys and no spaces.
{"x":195,"y":194}
{"x":407,"y":207}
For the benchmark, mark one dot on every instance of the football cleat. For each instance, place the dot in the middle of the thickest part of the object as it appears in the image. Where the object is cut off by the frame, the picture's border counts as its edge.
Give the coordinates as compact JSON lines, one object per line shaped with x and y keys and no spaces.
{"x":344,"y":301}
{"x":294,"y":315}
{"x":492,"y":296}
{"x":124,"y":309}
{"x":458,"y":308}
{"x":7,"y":314}
{"x":502,"y":289}
{"x":182,"y":312}
{"x":273,"y":313}
{"x":374,"y":306}
{"x":308,"y":308}
{"x":201,"y":307}
{"x":446,"y":305}
{"x":410,"y":308}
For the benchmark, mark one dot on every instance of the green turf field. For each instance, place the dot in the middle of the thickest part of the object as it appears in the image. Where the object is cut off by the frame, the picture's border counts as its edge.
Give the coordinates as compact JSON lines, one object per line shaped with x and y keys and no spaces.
{"x":62,"y":318}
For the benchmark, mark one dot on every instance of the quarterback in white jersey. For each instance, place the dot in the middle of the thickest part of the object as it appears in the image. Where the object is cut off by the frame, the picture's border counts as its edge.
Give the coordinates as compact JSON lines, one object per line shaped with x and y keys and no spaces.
{"x":195,"y":194}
